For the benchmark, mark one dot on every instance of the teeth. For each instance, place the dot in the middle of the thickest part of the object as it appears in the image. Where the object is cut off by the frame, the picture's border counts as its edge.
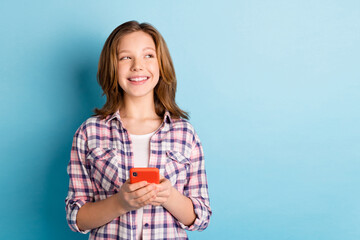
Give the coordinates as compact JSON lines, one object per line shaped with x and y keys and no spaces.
{"x":138,"y":79}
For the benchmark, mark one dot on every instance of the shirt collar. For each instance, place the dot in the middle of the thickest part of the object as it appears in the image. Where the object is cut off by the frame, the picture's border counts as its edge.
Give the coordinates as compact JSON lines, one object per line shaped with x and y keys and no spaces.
{"x":116,"y":115}
{"x":167,"y":117}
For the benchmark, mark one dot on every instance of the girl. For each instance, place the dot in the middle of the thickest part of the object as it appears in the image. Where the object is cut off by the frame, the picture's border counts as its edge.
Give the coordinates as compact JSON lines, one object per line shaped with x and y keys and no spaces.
{"x":140,"y":125}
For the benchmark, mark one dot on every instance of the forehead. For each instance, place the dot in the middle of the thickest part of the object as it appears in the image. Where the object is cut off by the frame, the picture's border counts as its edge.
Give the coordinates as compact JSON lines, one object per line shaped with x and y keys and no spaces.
{"x":136,"y":40}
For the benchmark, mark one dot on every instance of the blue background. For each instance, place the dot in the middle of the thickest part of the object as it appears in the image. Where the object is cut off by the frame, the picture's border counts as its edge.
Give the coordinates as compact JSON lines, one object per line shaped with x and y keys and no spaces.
{"x":272,"y":88}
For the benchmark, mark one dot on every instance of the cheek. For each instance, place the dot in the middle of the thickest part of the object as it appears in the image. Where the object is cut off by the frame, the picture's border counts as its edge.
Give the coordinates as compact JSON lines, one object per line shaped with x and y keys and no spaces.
{"x":121,"y":74}
{"x":155,"y":70}
{"x":121,"y":69}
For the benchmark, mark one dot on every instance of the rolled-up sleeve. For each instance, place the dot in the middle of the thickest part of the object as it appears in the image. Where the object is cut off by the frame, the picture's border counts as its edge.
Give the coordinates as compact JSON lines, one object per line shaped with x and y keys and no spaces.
{"x":80,"y":186}
{"x":197,"y":188}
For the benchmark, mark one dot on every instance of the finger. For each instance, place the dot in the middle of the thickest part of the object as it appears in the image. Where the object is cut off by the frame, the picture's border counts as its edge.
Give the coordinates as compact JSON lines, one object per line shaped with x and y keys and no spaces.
{"x":125,"y":185}
{"x":154,"y":203}
{"x":149,"y":201}
{"x":146,"y":198}
{"x":162,"y":182}
{"x":165,"y":181}
{"x":159,"y":200}
{"x":164,"y":185}
{"x":163,"y":194}
{"x":162,"y":178}
{"x":136,"y":186}
{"x":144,"y":190}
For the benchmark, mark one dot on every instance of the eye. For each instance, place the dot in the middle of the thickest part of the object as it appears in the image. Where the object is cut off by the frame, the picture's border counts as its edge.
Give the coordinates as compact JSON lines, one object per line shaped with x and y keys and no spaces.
{"x":149,"y":56}
{"x":124,"y":58}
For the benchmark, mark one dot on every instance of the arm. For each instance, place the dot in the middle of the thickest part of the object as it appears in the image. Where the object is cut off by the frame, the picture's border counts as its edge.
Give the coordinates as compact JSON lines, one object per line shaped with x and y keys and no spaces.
{"x":192,"y":208}
{"x":197,"y":189}
{"x":82,"y":212}
{"x":130,"y":197}
{"x":177,"y":204}
{"x":180,"y":207}
{"x":80,"y":186}
{"x":96,"y":214}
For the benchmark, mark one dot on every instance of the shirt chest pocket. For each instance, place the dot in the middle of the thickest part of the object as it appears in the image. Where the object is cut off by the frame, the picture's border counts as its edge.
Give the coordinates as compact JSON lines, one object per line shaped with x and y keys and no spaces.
{"x":106,"y":171}
{"x":177,"y":169}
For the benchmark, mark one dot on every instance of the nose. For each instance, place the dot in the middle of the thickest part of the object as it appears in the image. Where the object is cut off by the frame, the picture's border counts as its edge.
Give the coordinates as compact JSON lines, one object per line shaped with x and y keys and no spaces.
{"x":137,"y":65}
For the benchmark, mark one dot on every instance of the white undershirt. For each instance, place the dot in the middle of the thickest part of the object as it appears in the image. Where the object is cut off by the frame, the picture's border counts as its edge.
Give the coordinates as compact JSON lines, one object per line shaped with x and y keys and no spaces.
{"x":141,"y":150}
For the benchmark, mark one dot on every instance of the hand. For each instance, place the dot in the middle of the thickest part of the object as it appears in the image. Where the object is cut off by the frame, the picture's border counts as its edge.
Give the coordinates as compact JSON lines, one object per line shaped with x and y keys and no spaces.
{"x":136,"y":195}
{"x":165,"y":190}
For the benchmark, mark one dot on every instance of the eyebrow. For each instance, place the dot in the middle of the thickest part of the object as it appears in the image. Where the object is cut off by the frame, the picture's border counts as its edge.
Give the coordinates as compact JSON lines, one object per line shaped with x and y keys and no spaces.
{"x":146,"y":48}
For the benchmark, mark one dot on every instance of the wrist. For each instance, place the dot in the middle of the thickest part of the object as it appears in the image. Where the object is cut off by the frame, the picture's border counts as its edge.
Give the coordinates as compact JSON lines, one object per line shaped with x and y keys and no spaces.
{"x":119,"y":208}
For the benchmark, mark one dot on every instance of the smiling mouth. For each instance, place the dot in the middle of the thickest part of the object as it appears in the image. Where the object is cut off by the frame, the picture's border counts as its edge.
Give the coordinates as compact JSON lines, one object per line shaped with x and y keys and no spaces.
{"x":138,"y":79}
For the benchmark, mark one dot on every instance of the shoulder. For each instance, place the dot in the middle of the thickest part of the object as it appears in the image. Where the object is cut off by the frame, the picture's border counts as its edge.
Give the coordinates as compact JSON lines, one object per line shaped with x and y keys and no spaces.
{"x":185,"y":131}
{"x":184,"y":137}
{"x":183,"y":125}
{"x":89,"y":126}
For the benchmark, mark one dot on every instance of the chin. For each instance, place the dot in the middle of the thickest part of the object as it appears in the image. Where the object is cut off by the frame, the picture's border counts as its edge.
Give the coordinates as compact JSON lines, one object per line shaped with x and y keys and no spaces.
{"x":139,"y":94}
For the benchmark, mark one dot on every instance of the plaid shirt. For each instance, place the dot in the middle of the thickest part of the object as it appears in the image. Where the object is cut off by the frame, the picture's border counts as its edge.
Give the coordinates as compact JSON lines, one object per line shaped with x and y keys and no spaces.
{"x":101,"y":157}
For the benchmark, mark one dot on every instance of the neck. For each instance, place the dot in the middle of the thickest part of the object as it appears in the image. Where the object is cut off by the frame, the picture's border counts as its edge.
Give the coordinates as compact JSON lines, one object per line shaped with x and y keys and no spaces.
{"x":138,"y":107}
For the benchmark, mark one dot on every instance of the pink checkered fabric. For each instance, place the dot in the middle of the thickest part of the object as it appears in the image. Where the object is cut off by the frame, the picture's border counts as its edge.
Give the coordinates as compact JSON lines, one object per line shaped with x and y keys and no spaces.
{"x":101,"y":157}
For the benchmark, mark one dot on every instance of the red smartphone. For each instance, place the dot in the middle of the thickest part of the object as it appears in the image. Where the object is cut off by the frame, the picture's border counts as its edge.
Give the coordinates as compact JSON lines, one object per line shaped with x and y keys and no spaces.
{"x":151,"y":175}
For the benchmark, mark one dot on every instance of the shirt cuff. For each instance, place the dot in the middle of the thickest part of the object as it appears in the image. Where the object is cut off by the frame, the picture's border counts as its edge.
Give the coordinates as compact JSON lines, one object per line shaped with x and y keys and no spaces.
{"x":72,"y":209}
{"x":201,"y":220}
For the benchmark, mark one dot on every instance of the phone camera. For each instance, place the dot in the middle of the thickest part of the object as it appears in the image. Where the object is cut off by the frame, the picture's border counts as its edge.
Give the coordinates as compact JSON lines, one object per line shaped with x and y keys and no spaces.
{"x":135,"y":174}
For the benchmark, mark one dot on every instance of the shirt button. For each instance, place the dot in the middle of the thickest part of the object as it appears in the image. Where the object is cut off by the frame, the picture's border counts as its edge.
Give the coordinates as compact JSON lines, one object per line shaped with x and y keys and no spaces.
{"x":146,"y":224}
